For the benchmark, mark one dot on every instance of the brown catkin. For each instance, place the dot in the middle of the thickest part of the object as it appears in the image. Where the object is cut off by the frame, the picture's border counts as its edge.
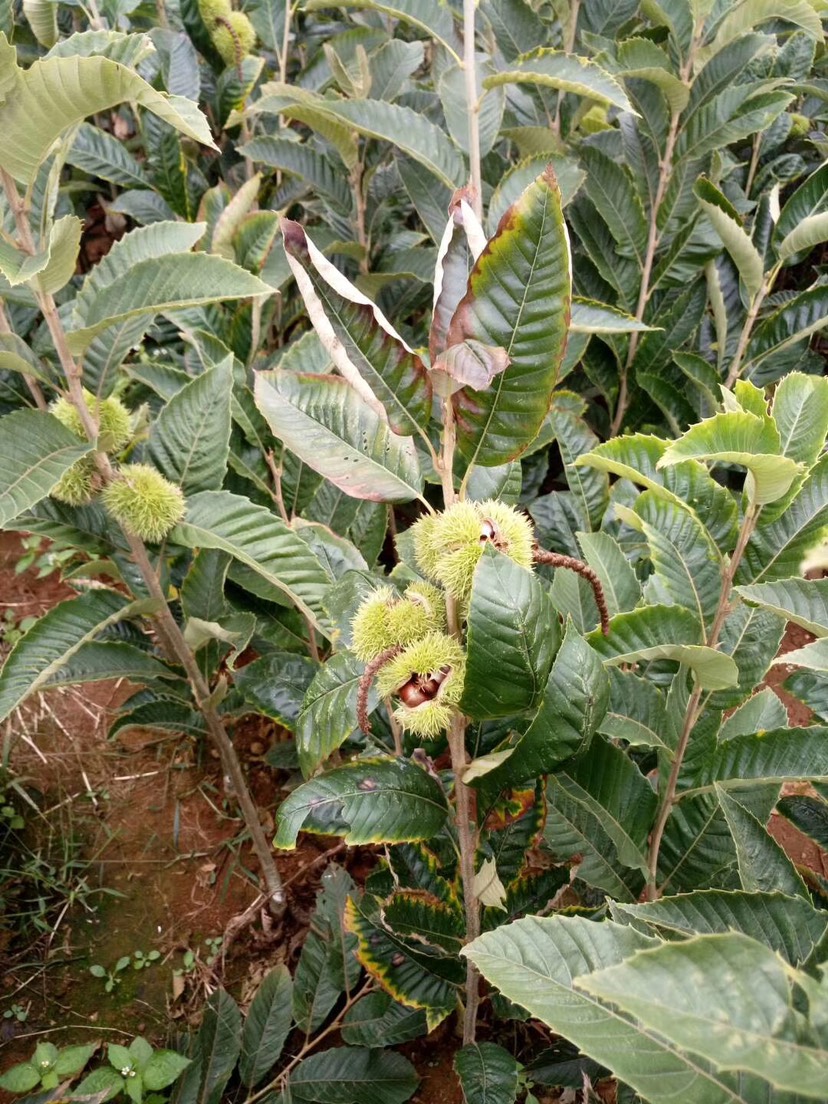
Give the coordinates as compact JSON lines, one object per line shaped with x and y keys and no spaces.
{"x":556,"y":559}
{"x":365,"y":685}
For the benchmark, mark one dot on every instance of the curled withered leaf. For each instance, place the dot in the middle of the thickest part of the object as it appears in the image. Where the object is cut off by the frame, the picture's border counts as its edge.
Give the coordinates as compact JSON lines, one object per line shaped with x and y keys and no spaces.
{"x":471,"y":364}
{"x":462,"y":243}
{"x":366,"y":349}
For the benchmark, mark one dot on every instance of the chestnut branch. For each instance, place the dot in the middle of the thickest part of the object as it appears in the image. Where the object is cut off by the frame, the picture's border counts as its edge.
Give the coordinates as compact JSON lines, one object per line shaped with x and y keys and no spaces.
{"x":556,"y":559}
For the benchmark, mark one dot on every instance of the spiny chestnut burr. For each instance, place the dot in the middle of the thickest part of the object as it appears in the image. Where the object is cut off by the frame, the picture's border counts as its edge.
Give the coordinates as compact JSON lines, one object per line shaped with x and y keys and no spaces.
{"x":448,"y":546}
{"x":114,"y":420}
{"x":427,"y":680}
{"x":144,"y":502}
{"x":385,"y":619}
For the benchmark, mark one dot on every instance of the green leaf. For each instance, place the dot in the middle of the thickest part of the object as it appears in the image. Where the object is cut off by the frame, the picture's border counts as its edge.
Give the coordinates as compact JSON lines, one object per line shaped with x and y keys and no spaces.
{"x":217,"y":1048}
{"x":490,"y":102}
{"x":605,"y":556}
{"x":162,"y":1068}
{"x":800,"y":411}
{"x":266,"y":1026}
{"x":166,"y":283}
{"x":328,"y":965}
{"x":590,"y":487}
{"x":518,"y":299}
{"x":377,"y":1020}
{"x":98,"y":153}
{"x":310,"y":108}
{"x":409,"y":131}
{"x":330,"y":427}
{"x":432,"y":16}
{"x":796,"y":320}
{"x":565,"y":73}
{"x":762,"y":711}
{"x":105,"y":1081}
{"x":763,"y":865}
{"x":128,"y":49}
{"x":803,"y":601}
{"x":570,"y":178}
{"x":813,"y":657}
{"x":261,"y":541}
{"x":810,"y":232}
{"x":807,"y":205}
{"x":517,"y":27}
{"x":751,"y":637}
{"x":642,"y":59}
{"x":392,"y":65}
{"x":782,"y":755}
{"x":589,"y":316}
{"x":42,"y":17}
{"x":72,"y":1059}
{"x":664,"y":632}
{"x":418,"y":916}
{"x":572,"y":706}
{"x":615,"y":806}
{"x":747,"y":14}
{"x":416,"y":978}
{"x":342,"y":1075}
{"x":189,"y":440}
{"x":636,"y":711}
{"x":165,"y":713}
{"x":687,"y":566}
{"x":63,"y":246}
{"x":776,"y":549}
{"x":310,"y":167}
{"x":20,"y":1078}
{"x":724,"y":997}
{"x":636,"y":457}
{"x":328,"y":715}
{"x":789,"y":926}
{"x":367,"y":801}
{"x":275,"y":685}
{"x":35,"y":451}
{"x":147,"y":243}
{"x":55,"y":93}
{"x":513,"y":635}
{"x":361,"y":341}
{"x":735,"y":238}
{"x":16,"y":356}
{"x":610,"y":188}
{"x":488,"y":1074}
{"x":809,"y":815}
{"x":109,"y":659}
{"x":55,"y":639}
{"x":739,"y":437}
{"x":537,"y":963}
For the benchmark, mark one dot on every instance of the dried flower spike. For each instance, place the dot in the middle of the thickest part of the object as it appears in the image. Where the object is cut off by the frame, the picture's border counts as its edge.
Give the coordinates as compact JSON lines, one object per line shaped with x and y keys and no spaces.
{"x":556,"y":559}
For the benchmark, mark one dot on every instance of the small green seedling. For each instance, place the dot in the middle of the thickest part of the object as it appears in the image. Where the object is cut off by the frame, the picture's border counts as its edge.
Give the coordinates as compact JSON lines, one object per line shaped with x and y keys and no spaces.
{"x":47,"y":1067}
{"x":138,"y":960}
{"x":134,"y":1070}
